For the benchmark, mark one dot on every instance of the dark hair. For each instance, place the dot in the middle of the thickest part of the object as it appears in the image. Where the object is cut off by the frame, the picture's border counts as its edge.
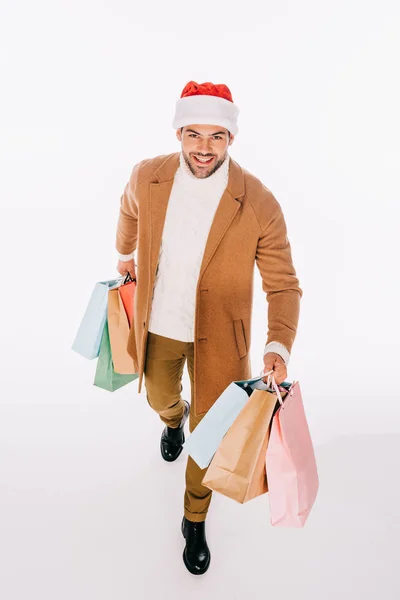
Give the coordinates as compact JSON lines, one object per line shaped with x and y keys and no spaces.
{"x":229,"y":133}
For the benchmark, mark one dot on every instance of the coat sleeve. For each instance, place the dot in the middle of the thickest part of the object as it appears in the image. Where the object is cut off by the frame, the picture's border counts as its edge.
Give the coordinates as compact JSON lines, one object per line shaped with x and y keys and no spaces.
{"x":127,"y":227}
{"x":279,"y":282}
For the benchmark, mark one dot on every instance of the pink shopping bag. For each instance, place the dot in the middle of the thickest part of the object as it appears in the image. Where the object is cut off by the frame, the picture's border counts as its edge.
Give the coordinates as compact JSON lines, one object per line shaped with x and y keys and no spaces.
{"x":290,"y":462}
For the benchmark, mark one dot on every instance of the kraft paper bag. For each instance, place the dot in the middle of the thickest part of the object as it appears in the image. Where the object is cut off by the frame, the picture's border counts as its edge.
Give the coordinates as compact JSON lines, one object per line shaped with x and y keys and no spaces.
{"x":238,"y":467}
{"x":290,"y":463}
{"x":118,"y":327}
{"x":105,"y":376}
{"x":88,"y":338}
{"x":204,"y":440}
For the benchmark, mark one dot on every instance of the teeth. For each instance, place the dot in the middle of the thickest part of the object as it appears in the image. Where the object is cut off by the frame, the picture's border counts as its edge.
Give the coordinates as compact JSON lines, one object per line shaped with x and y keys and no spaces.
{"x":203,"y":159}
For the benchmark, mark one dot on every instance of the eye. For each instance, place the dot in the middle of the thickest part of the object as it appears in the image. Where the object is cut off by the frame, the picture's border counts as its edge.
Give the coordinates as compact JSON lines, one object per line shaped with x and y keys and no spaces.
{"x":192,"y":135}
{"x":218,"y":137}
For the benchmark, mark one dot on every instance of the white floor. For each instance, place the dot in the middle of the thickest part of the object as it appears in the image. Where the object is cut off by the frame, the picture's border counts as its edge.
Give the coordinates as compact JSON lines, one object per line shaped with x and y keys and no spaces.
{"x":90,"y":511}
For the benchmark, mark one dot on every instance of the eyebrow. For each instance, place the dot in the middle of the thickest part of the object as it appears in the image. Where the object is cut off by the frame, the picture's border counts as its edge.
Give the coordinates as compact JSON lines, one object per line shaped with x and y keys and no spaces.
{"x":211,"y":134}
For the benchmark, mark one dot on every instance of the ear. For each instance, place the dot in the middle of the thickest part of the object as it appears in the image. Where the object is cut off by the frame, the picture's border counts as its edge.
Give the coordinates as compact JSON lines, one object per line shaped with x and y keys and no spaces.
{"x":179,"y":135}
{"x":231,"y":140}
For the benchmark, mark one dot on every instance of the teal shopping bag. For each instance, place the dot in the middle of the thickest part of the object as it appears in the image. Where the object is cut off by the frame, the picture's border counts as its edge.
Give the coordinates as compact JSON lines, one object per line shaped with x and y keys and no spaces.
{"x":105,"y":376}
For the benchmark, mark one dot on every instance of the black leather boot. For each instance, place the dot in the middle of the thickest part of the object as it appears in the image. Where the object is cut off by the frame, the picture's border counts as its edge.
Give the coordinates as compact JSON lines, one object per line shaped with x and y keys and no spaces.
{"x":172,"y":439}
{"x":196,"y":554}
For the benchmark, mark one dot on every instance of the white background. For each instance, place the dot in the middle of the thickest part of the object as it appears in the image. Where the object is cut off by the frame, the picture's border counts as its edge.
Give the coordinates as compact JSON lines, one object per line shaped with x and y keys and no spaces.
{"x":88,"y":509}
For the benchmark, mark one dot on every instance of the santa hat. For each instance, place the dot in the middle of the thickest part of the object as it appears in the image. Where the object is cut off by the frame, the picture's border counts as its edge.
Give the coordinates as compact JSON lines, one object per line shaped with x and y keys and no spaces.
{"x":207,"y":104}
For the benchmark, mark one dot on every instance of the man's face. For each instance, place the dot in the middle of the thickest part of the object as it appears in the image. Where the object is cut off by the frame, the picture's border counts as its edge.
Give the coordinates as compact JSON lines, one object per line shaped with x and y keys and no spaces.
{"x":204,"y":142}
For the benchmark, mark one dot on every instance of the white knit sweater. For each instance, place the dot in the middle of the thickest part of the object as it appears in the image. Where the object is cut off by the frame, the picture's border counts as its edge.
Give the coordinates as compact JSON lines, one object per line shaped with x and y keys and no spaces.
{"x":190,"y":212}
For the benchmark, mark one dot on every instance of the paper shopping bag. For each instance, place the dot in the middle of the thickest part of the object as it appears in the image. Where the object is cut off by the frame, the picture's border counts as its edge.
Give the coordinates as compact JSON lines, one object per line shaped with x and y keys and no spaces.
{"x":90,"y":331}
{"x":118,"y":327}
{"x":290,"y":463}
{"x":127,"y":293}
{"x":238,"y":467}
{"x":105,"y":376}
{"x":204,"y":440}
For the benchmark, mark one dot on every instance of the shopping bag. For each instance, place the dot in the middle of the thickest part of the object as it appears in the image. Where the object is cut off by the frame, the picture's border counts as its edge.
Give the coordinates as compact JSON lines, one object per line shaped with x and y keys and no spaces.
{"x":204,"y":440}
{"x":105,"y":376}
{"x":290,"y":463}
{"x":237,"y":469}
{"x":127,"y":293}
{"x":118,"y":327}
{"x":90,"y":331}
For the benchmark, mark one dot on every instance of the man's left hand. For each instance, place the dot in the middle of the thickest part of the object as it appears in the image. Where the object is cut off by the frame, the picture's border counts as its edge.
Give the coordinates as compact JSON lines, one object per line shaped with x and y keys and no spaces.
{"x":275,"y":362}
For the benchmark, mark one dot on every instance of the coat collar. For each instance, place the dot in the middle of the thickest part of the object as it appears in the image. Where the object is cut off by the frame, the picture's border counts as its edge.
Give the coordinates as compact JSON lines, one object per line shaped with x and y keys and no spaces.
{"x":166,"y":171}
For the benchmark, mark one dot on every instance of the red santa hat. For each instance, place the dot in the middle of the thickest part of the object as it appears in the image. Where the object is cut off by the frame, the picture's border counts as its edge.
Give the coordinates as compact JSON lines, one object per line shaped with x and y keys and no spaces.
{"x":207,"y":104}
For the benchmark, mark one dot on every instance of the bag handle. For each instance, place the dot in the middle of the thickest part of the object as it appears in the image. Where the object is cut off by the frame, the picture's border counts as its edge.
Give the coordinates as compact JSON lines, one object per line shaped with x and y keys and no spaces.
{"x":276,"y":388}
{"x":128,"y":278}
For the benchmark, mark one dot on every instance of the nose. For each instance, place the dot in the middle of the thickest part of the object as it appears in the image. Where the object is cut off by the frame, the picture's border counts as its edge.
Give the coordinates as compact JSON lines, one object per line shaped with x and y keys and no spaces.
{"x":205,"y":147}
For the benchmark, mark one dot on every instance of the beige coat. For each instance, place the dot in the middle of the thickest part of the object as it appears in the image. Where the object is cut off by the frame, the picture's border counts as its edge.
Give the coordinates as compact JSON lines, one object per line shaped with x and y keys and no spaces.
{"x":248,"y":228}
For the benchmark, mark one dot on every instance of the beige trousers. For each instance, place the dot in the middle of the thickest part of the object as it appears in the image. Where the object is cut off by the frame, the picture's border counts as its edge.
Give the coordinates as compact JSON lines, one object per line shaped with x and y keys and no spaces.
{"x":164,"y":362}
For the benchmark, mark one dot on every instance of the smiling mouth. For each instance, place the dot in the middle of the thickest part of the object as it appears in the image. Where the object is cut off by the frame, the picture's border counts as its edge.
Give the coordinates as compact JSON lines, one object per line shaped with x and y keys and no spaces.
{"x":203,"y":163}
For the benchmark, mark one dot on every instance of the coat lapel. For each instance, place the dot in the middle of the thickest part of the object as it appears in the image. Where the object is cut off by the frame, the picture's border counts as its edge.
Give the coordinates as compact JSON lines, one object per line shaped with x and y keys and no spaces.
{"x":159,"y":196}
{"x":228,"y":206}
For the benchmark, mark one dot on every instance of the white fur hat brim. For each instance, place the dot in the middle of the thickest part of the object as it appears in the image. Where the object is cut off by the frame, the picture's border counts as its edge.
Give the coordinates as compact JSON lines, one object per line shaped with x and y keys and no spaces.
{"x":206,"y":110}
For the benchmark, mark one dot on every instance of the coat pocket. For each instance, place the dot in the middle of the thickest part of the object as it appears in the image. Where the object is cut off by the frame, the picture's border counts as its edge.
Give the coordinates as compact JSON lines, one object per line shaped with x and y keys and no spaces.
{"x":240,"y":337}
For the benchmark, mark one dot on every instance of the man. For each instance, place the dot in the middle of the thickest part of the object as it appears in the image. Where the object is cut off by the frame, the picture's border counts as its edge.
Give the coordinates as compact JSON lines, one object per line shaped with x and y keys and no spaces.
{"x":199,"y":223}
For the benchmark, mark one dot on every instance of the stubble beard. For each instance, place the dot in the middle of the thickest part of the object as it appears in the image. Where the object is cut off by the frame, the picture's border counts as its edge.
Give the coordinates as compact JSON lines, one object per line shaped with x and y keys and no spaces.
{"x":206,"y":174}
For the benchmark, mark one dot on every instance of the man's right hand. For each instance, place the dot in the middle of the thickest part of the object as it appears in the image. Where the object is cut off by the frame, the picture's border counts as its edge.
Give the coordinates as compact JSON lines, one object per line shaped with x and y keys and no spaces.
{"x":125,"y":267}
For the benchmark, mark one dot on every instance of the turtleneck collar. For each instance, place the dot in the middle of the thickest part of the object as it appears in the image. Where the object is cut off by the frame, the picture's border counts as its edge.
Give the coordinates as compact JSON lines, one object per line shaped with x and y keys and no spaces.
{"x":219,"y":177}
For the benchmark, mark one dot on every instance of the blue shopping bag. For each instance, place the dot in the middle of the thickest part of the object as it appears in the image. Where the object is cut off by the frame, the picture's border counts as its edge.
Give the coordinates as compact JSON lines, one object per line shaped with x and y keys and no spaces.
{"x":88,"y":339}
